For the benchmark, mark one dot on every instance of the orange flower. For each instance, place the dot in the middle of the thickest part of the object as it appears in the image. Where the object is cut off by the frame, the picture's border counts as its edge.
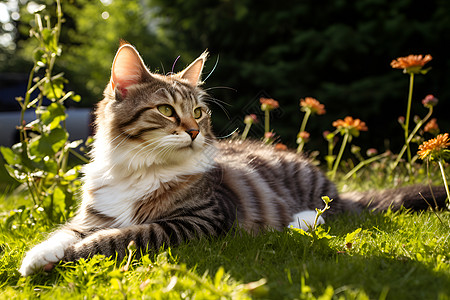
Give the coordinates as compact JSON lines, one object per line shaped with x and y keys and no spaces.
{"x":268,"y":104}
{"x":304,"y":135}
{"x":314,"y":105}
{"x":434,"y":147}
{"x":411,"y":63}
{"x":280,"y":146}
{"x":432,"y":127}
{"x":350,"y":123}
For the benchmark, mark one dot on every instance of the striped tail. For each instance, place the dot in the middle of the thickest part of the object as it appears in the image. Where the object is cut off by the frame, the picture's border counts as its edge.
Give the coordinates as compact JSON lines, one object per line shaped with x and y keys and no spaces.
{"x":417,"y":197}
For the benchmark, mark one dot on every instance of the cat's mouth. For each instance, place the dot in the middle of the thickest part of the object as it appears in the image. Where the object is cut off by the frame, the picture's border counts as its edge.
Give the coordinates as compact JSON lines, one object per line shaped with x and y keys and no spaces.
{"x":192,"y":146}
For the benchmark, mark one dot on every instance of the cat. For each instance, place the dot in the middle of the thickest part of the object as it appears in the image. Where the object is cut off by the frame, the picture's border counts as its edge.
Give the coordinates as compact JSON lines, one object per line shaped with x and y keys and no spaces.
{"x":159,"y":177}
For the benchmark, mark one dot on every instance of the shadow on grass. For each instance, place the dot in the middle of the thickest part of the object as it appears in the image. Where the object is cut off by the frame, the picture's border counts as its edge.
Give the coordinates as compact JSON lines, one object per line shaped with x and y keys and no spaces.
{"x":291,"y":261}
{"x":286,"y":259}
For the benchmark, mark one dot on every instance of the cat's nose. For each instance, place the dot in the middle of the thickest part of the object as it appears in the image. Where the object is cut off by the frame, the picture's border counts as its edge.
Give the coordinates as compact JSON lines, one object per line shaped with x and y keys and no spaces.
{"x":193,"y":133}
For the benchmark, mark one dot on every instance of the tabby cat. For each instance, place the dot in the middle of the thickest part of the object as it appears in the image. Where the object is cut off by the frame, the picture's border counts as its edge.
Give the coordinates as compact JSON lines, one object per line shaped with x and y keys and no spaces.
{"x":159,"y":177}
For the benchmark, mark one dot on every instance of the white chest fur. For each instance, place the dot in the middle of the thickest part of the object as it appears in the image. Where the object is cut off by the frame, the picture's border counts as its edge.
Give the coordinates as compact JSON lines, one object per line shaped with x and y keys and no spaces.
{"x":114,"y":189}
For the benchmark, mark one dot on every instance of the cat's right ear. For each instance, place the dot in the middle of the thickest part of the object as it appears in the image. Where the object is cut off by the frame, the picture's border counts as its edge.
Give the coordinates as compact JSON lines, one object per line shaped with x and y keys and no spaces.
{"x":128,"y":69}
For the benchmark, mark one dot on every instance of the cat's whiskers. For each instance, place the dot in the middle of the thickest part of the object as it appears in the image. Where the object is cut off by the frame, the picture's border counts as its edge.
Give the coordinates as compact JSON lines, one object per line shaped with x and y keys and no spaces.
{"x":220,"y":87}
{"x":219,"y":103}
{"x":144,"y":148}
{"x":213,"y":69}
{"x":123,"y":140}
{"x":167,"y":145}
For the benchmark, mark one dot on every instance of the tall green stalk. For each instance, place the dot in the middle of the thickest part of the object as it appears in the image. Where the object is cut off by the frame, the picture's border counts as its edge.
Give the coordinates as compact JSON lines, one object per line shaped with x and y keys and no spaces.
{"x":302,"y":128}
{"x":267,"y":120}
{"x":341,"y":151}
{"x":444,"y":178}
{"x":408,"y":116}
{"x":411,"y":136}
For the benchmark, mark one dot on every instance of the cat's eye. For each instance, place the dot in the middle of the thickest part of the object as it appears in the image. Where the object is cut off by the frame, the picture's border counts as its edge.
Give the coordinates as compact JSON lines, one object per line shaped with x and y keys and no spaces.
{"x":198,"y":113}
{"x":166,"y":110}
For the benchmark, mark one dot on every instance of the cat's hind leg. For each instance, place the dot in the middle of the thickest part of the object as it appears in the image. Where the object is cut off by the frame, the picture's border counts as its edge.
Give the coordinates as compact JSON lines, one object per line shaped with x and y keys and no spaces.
{"x":304,"y":219}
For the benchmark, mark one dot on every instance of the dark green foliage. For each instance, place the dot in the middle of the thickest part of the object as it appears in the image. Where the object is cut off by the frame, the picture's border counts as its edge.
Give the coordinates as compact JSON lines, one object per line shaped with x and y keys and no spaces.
{"x":336,"y":51}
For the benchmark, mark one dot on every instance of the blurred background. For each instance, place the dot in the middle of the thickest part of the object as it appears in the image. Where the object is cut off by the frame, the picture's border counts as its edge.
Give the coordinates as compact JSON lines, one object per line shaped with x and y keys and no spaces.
{"x":337,"y":51}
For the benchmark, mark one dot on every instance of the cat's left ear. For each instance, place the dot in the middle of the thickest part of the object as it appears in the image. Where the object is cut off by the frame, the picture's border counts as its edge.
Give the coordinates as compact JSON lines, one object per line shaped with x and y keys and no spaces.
{"x":194,"y":71}
{"x":128,"y":69}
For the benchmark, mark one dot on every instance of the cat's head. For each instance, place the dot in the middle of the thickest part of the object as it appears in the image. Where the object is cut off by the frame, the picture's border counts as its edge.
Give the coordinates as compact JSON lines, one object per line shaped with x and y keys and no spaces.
{"x":147,"y":118}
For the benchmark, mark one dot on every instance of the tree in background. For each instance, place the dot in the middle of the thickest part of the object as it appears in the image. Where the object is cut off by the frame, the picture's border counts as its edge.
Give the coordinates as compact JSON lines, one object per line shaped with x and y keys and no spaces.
{"x":90,"y":37}
{"x":336,"y":51}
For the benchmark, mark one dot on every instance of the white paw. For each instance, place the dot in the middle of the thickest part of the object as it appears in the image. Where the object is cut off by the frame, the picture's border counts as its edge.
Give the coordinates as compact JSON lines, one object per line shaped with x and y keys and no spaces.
{"x":40,"y":256}
{"x":304,"y":219}
{"x":49,"y":252}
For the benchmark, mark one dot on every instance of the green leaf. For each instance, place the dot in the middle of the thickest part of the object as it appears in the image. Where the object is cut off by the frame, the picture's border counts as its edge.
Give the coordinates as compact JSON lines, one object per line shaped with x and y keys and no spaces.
{"x":330,"y":136}
{"x":48,"y":144}
{"x":72,"y":174}
{"x":50,"y":40}
{"x":218,"y":277}
{"x":76,"y":98}
{"x":115,"y":284}
{"x":425,"y":71}
{"x":53,"y":115}
{"x":9,"y":156}
{"x":53,"y":89}
{"x":39,"y":56}
{"x":59,"y":196}
{"x":350,"y":237}
{"x":16,"y":173}
{"x":326,"y":199}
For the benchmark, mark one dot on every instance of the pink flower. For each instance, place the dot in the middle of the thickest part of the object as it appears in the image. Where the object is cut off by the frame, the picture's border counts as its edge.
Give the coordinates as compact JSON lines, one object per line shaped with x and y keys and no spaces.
{"x":430,"y":101}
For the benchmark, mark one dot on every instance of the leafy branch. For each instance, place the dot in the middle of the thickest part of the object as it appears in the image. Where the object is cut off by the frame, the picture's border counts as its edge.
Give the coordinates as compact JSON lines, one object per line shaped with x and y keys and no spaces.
{"x":40,"y":161}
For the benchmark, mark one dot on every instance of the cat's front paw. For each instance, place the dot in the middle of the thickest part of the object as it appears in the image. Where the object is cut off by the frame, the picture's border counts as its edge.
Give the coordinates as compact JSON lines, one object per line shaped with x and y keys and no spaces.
{"x":47,"y":253}
{"x":44,"y":255}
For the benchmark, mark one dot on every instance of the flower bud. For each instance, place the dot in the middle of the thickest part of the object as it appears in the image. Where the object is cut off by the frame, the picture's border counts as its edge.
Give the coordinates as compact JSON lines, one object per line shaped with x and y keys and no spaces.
{"x":250,"y":119}
{"x":430,"y":101}
{"x":355,"y":149}
{"x":432,"y":127}
{"x":371,"y":152}
{"x":303,"y":137}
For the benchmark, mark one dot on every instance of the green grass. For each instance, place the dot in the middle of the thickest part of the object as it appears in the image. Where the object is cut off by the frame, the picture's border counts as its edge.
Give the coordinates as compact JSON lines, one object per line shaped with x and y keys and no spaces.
{"x":394,"y":256}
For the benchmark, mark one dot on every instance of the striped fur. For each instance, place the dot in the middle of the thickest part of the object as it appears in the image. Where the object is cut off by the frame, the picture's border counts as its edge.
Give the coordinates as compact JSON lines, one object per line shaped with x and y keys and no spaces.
{"x":162,"y":179}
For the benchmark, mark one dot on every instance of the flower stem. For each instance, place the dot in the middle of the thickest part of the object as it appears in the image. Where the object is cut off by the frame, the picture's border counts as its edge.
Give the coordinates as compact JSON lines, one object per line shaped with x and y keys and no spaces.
{"x":300,"y":146}
{"x":302,"y":128}
{"x":410,"y":137}
{"x":305,"y":120}
{"x":341,"y":151}
{"x":441,"y":166}
{"x":246,"y":131}
{"x":362,"y":164}
{"x":408,"y":115}
{"x":267,"y":120}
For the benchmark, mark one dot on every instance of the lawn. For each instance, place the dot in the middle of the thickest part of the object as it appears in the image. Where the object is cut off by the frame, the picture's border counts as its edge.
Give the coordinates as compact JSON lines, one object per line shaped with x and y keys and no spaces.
{"x":390,"y":255}
{"x":394,"y":255}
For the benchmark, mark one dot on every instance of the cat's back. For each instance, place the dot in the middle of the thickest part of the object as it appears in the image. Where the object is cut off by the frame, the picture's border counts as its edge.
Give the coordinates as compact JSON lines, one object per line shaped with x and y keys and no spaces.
{"x":269,"y":185}
{"x":255,"y":157}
